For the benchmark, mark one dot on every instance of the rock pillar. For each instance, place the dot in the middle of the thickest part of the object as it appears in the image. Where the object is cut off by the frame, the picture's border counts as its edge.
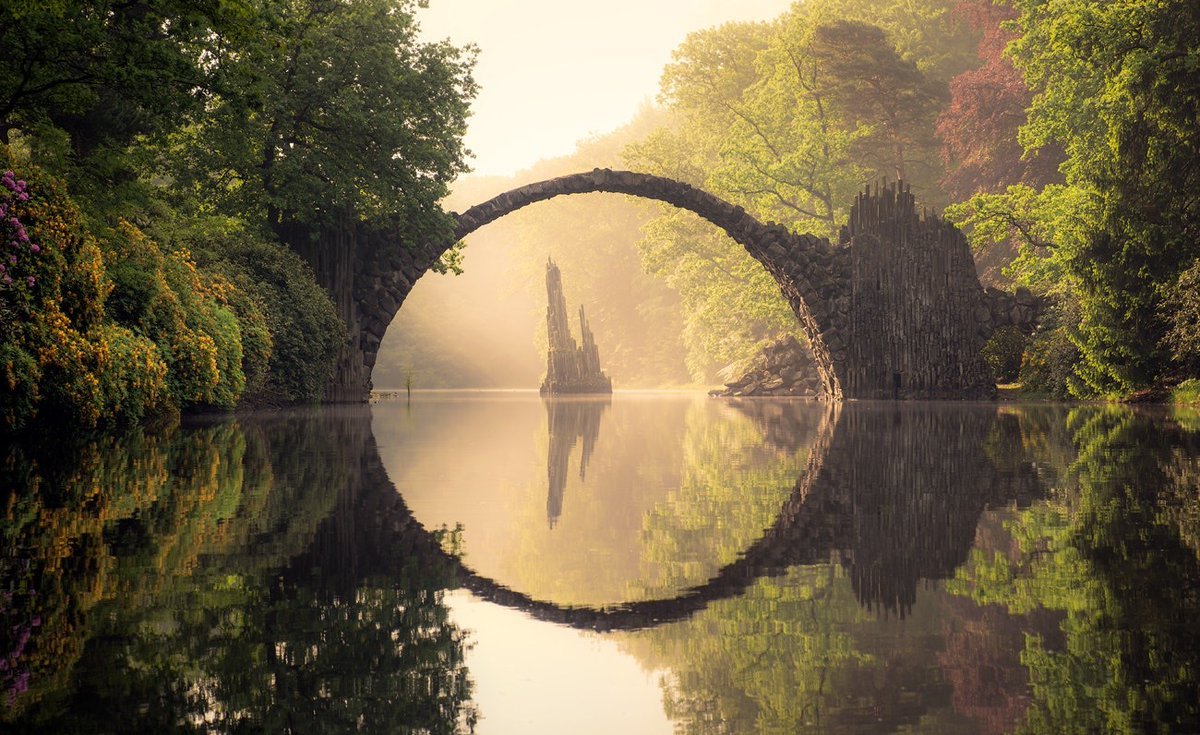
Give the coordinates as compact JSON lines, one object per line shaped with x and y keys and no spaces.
{"x":569,"y":368}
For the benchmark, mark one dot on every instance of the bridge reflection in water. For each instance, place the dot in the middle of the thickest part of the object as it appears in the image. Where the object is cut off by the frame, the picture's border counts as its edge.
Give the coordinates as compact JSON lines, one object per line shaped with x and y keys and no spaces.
{"x":892,"y":491}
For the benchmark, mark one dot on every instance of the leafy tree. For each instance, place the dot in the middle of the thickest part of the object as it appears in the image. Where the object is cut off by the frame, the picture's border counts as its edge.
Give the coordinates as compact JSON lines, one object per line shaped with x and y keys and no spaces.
{"x":329,"y":106}
{"x":69,"y":60}
{"x":732,"y":305}
{"x":81,"y":80}
{"x":306,"y":116}
{"x":874,"y":88}
{"x":790,"y":119}
{"x":1113,"y":87}
{"x":331,"y":118}
{"x":705,"y":87}
{"x":987,"y":106}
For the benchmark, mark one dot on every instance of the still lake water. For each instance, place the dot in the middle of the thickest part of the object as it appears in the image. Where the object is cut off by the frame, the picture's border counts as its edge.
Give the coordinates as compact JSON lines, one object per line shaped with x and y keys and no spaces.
{"x":649,"y":563}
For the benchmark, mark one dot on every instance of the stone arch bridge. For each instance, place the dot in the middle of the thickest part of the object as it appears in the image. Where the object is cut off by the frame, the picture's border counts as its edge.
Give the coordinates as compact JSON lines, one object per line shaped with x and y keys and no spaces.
{"x":894,"y":310}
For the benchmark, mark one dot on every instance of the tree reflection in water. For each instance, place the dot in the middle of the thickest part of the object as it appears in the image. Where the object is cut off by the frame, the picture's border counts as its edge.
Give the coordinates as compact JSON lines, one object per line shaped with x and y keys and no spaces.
{"x":1108,"y":553}
{"x":265,"y":576}
{"x":1065,"y":535}
{"x":185,"y":582}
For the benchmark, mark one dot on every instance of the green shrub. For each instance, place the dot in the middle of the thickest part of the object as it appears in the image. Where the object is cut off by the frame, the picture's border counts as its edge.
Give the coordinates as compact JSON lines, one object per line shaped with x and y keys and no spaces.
{"x":1181,"y":307}
{"x":19,"y":378}
{"x":1050,"y":362}
{"x":113,"y":328}
{"x":1186,"y":393}
{"x":223,"y":327}
{"x":305,"y":330}
{"x":1048,"y":365}
{"x":257,"y":344}
{"x":1003,"y":353}
{"x":204,"y":315}
{"x":144,"y":301}
{"x":168,"y":299}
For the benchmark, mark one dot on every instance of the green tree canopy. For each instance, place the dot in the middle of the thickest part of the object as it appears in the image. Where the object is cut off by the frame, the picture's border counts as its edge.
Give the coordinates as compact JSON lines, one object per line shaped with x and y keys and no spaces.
{"x":789,"y":119}
{"x":1115,"y":87}
{"x":328,"y":107}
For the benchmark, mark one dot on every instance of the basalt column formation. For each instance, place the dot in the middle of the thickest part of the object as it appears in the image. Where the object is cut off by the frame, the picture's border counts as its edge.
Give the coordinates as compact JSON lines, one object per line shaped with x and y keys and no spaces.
{"x":569,"y":368}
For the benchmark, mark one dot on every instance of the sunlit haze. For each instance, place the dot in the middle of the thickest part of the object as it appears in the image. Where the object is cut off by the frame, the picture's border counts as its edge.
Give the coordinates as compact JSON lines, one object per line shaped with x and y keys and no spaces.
{"x":552,"y":73}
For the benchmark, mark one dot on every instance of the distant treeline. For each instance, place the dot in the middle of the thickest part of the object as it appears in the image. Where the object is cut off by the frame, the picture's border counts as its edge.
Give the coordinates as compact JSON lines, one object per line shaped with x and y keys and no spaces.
{"x":152,"y":153}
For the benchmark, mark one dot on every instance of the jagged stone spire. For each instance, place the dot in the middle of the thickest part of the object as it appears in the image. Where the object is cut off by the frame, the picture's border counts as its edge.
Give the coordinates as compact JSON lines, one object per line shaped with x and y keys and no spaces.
{"x":569,"y":368}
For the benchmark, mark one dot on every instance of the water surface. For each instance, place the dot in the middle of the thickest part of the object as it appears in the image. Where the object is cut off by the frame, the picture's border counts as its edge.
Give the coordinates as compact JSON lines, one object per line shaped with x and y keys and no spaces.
{"x":644,"y":563}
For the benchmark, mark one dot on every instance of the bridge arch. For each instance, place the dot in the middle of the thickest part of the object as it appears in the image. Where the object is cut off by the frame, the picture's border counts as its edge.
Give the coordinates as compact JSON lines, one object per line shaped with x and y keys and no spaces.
{"x":895,"y":310}
{"x":800,"y":264}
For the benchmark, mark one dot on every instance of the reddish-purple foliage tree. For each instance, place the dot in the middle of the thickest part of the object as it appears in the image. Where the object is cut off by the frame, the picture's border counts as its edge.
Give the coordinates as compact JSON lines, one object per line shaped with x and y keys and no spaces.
{"x":987,"y":107}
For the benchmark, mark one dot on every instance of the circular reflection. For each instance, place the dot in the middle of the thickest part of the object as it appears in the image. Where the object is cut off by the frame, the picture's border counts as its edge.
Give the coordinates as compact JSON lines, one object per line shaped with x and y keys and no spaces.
{"x":596,"y":501}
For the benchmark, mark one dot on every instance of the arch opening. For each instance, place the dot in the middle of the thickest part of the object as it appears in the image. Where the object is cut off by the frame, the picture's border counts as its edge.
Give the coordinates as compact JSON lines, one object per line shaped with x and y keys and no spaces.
{"x":793,"y":261}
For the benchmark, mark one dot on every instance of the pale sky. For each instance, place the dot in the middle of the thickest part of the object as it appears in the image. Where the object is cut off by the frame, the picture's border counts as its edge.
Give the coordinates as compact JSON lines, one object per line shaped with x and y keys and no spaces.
{"x":554,"y":72}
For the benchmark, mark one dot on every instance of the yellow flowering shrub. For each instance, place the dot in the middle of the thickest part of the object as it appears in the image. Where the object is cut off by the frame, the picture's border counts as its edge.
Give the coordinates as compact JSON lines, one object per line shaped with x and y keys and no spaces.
{"x":163,"y":296}
{"x":107,"y":330}
{"x":70,"y":363}
{"x":133,"y":380}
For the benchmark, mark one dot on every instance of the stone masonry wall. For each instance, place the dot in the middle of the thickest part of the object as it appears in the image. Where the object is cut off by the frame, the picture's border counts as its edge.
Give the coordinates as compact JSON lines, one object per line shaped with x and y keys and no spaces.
{"x":912,"y":329}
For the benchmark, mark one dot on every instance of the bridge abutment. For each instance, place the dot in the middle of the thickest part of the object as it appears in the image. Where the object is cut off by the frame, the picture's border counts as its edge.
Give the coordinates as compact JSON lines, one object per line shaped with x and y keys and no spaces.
{"x":912,"y":322}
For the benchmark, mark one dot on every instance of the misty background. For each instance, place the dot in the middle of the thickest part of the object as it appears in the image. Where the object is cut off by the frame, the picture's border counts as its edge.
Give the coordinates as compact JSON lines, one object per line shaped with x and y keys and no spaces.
{"x":486,"y":328}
